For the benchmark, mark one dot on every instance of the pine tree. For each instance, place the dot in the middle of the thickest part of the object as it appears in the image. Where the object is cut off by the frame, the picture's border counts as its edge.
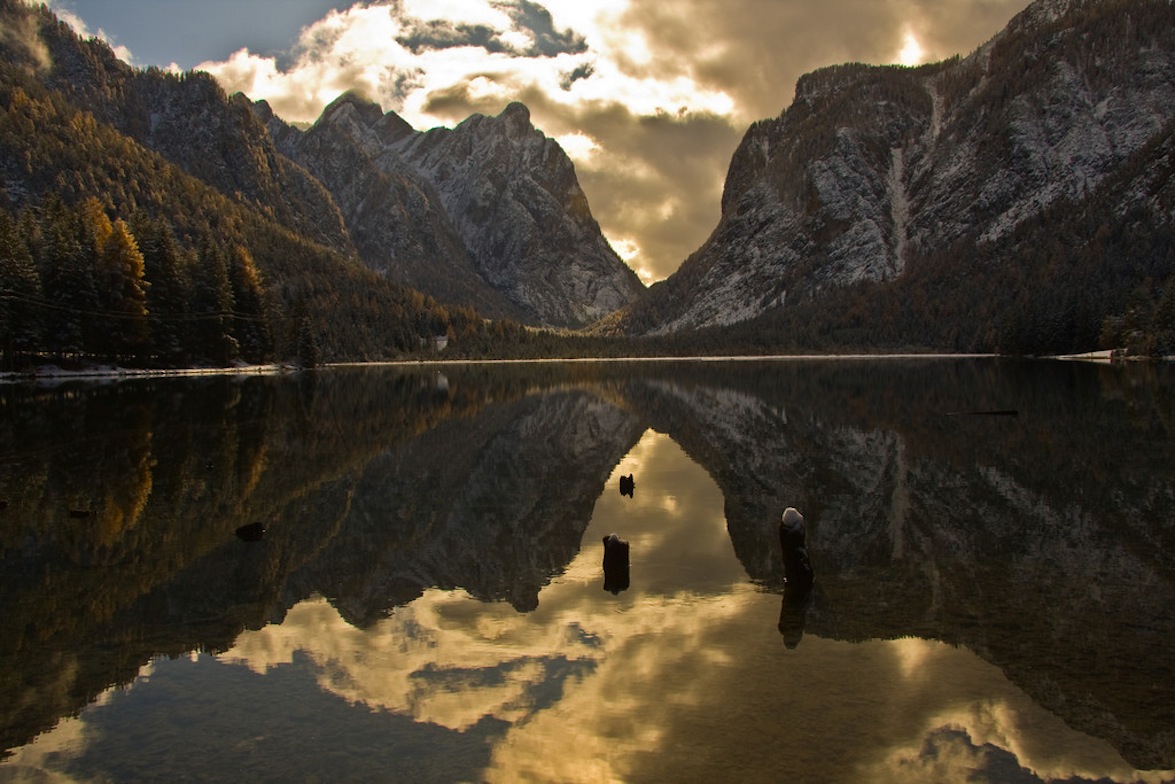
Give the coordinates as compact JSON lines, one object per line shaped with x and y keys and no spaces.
{"x":1163,"y":321}
{"x":250,"y":325}
{"x":212,"y":305}
{"x":20,"y":292}
{"x":308,"y":352}
{"x":67,"y":279}
{"x":122,"y":293}
{"x":167,"y":290}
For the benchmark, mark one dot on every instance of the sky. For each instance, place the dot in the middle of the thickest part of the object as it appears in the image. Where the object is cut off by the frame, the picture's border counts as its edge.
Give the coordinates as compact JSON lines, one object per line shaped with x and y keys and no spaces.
{"x":650,"y":99}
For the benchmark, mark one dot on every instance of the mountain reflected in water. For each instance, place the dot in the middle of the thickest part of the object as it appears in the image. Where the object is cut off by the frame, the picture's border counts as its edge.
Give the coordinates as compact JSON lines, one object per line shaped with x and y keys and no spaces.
{"x":992,"y":593}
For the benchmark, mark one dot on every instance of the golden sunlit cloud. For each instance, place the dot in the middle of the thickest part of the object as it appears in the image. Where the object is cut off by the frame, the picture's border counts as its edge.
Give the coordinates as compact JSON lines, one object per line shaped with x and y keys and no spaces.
{"x":579,"y":146}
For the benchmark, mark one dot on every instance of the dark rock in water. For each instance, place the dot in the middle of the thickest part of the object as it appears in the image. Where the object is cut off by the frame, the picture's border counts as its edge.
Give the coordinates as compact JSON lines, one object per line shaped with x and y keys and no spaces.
{"x":616,"y":574}
{"x":793,"y":540}
{"x":253,"y":532}
{"x":798,"y":577}
{"x":627,"y":485}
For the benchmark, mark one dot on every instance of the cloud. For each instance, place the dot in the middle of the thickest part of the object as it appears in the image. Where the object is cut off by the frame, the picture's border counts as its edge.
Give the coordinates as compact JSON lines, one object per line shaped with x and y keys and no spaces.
{"x":23,"y":37}
{"x":79,"y":26}
{"x":657,"y":95}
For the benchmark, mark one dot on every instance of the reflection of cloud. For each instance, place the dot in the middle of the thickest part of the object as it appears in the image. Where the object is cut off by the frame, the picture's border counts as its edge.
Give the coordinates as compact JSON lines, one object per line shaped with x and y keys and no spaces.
{"x":667,"y":678}
{"x":978,"y":719}
{"x":675,"y":520}
{"x":682,"y":677}
{"x":40,"y":761}
{"x":993,"y":734}
{"x":36,"y":761}
{"x":445,"y":659}
{"x":678,"y":688}
{"x":912,"y":653}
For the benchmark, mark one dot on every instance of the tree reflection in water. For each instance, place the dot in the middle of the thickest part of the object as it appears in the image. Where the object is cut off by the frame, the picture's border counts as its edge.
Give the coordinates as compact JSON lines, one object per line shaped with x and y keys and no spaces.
{"x":432,"y":559}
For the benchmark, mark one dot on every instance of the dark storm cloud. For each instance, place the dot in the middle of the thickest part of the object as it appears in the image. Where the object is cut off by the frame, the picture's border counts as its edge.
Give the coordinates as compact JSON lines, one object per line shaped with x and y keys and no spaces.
{"x":571,"y":77}
{"x":533,"y":20}
{"x":420,"y":36}
{"x":536,"y":20}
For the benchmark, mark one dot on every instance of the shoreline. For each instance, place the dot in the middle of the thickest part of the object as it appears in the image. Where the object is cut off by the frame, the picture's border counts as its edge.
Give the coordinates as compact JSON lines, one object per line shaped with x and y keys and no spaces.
{"x":45,"y":374}
{"x":48,"y":374}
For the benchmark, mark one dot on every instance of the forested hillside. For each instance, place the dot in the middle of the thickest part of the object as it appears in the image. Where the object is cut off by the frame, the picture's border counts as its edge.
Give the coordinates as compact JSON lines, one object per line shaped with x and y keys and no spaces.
{"x":110,"y":251}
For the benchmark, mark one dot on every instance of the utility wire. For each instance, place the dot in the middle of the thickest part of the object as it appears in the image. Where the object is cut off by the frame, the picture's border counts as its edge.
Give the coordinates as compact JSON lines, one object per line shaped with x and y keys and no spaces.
{"x":124,"y":314}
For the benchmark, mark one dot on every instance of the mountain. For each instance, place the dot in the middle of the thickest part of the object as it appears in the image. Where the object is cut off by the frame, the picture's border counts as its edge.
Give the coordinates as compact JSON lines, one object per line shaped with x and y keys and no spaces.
{"x":187,"y":120}
{"x":398,"y":223}
{"x":874,"y":174}
{"x":489,"y":214}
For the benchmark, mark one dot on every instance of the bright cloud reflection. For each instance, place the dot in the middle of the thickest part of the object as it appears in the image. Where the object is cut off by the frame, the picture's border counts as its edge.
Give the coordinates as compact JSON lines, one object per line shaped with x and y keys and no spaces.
{"x":687,"y":660}
{"x":682,"y":677}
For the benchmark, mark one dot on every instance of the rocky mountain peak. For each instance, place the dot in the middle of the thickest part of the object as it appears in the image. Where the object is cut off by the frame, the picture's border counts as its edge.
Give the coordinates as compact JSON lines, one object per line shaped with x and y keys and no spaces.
{"x":487,"y":214}
{"x":875,"y":167}
{"x":825,"y":83}
{"x":515,"y":198}
{"x":186,"y":118}
{"x":516,"y":117}
{"x":1044,"y":12}
{"x":352,"y":106}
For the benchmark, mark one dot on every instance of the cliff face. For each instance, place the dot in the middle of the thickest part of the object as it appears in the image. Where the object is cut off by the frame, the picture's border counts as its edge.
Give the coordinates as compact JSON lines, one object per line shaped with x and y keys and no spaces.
{"x":489,"y":213}
{"x":395,"y":217}
{"x":873,"y":167}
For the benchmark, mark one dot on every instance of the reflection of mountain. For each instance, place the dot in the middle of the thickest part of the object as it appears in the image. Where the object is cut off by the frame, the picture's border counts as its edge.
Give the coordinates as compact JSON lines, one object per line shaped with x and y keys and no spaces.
{"x":495,"y":505}
{"x":121,"y":504}
{"x":375,"y":487}
{"x":1027,"y":539}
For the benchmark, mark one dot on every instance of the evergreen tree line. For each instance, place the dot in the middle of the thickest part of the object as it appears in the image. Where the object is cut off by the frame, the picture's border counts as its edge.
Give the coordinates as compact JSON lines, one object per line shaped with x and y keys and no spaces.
{"x":74,"y":283}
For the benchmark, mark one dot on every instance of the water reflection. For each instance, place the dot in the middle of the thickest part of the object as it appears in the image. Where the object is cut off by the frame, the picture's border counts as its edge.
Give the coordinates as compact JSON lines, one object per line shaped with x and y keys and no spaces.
{"x":426,"y":596}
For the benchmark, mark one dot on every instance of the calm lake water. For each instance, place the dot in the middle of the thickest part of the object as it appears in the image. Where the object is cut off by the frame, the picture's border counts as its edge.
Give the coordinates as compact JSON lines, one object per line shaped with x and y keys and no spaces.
{"x":994,"y":594}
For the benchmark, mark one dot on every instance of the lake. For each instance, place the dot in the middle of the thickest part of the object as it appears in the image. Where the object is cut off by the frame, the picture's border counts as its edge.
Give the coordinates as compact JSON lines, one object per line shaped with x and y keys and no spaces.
{"x":992,"y":541}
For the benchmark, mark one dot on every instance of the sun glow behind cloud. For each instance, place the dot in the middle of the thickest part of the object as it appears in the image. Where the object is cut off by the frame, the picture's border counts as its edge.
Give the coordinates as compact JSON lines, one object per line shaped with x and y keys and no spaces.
{"x":911,"y":52}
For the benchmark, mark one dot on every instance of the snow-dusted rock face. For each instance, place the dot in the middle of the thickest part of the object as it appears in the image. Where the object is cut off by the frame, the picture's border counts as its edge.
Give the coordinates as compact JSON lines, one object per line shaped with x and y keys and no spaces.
{"x":515,"y":198}
{"x":871,"y":167}
{"x":395,"y":216}
{"x":488,"y":214}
